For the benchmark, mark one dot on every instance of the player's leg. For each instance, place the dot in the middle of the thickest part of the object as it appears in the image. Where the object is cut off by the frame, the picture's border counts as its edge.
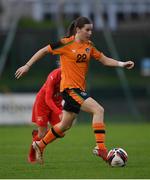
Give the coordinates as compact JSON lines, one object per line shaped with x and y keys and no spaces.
{"x":91,"y":106}
{"x":37,"y":135}
{"x":41,"y":120}
{"x":55,"y":132}
{"x":31,"y":153}
{"x":71,"y":108}
{"x":54,"y":119}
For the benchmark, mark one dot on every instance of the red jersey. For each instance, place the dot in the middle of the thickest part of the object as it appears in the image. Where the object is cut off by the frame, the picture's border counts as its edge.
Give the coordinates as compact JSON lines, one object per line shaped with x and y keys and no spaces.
{"x":50,"y":94}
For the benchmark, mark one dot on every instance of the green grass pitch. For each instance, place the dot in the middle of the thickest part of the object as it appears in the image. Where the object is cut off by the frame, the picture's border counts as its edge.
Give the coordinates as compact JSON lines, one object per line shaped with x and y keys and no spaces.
{"x":71,"y":157}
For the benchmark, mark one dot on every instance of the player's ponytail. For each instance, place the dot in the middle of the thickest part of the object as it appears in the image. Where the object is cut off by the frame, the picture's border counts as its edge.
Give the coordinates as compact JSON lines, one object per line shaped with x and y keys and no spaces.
{"x":71,"y":29}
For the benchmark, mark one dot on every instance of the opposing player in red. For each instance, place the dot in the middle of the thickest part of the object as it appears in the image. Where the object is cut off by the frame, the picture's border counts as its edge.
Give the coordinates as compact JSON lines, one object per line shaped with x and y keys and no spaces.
{"x":47,"y":108}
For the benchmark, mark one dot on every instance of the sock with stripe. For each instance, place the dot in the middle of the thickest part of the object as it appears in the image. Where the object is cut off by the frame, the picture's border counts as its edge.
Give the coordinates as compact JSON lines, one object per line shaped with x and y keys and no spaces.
{"x":99,"y":131}
{"x":51,"y":135}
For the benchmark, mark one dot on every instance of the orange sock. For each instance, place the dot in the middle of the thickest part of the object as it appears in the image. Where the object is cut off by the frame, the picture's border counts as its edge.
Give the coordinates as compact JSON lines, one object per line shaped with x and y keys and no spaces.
{"x":99,"y":131}
{"x":51,"y":135}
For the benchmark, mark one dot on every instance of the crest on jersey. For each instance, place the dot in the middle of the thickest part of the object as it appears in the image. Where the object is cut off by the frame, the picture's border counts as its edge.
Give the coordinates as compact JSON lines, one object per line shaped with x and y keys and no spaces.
{"x":87,"y":50}
{"x":83,"y":93}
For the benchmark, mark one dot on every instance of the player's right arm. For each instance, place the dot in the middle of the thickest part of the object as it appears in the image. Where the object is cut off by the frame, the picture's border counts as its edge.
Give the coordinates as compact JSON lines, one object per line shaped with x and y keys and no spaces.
{"x":54,"y":48}
{"x":36,"y":57}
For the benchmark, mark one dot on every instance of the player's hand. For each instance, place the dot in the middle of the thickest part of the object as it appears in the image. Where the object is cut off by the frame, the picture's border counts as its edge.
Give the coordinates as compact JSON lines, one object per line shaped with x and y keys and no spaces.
{"x":21,"y":71}
{"x":129,"y":64}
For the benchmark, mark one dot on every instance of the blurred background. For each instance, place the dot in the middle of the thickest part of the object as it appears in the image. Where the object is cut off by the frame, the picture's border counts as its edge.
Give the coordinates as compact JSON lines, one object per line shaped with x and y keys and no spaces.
{"x":121,"y":31}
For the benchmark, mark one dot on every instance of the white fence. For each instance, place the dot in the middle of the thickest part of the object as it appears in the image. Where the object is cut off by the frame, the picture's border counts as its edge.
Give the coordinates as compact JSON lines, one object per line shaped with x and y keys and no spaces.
{"x":16,"y":108}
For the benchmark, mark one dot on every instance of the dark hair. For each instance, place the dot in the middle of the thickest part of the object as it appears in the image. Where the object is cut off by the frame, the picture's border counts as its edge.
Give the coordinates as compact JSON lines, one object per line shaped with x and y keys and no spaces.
{"x":79,"y":22}
{"x":71,"y":29}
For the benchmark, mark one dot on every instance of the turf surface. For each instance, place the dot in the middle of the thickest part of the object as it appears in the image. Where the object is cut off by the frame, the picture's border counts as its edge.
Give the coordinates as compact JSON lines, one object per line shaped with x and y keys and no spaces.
{"x":71,"y":157}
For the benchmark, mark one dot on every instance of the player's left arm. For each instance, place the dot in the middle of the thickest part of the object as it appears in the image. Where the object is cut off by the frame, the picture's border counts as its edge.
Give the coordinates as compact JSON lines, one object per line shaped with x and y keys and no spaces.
{"x":107,"y":61}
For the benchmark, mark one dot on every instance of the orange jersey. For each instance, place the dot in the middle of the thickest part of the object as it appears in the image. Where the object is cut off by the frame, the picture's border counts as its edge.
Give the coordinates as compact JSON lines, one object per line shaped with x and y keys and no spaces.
{"x":74,"y":59}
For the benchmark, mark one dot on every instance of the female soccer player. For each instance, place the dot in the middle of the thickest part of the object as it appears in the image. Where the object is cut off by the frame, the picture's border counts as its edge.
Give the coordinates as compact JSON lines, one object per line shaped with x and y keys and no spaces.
{"x":74,"y":58}
{"x":47,"y":108}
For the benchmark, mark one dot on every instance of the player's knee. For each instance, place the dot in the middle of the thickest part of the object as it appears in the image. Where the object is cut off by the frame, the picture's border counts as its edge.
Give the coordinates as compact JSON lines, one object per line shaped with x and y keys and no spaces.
{"x":99,"y":110}
{"x":42,"y":132}
{"x":66,"y":124}
{"x":68,"y":127}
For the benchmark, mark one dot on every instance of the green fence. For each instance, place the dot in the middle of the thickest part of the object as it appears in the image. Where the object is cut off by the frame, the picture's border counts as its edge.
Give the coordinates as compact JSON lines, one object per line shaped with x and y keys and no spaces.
{"x":102,"y":82}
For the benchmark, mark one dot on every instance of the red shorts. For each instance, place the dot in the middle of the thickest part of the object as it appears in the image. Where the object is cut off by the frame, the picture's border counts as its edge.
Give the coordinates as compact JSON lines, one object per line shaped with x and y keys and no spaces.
{"x":42,"y":114}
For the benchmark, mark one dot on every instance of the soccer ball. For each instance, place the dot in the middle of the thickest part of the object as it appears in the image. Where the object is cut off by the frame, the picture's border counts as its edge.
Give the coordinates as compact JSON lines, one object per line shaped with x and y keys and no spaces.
{"x":117,"y":157}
